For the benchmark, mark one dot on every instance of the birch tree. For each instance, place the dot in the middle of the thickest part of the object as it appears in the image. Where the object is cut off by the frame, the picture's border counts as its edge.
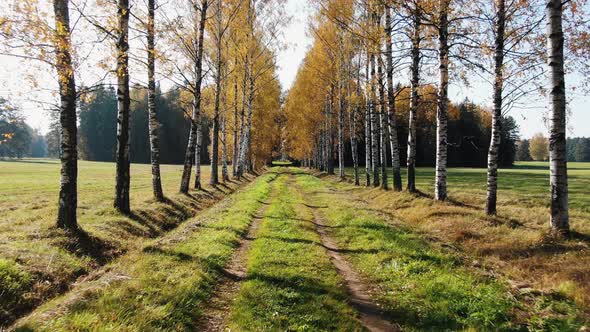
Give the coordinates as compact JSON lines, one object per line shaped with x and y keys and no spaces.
{"x":492,"y":175}
{"x":557,"y":134}
{"x":224,"y":15}
{"x":27,"y":35}
{"x":68,"y":190}
{"x":440,"y":190}
{"x":218,"y":35}
{"x":192,"y":150}
{"x":122,"y":161}
{"x":391,"y":94}
{"x":416,"y":26}
{"x":153,"y":124}
{"x":516,"y":70}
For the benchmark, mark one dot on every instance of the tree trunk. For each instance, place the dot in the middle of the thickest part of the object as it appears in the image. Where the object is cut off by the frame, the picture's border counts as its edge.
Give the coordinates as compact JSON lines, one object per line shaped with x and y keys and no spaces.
{"x":330,"y":132}
{"x":440,"y":190}
{"x":353,"y":144}
{"x":191,"y":149}
{"x":68,"y":189}
{"x":383,"y":125}
{"x":123,"y":178}
{"x":245,"y":148}
{"x":198,"y":153}
{"x":392,"y":123}
{"x":415,"y":81}
{"x":234,"y":163}
{"x":224,"y":170}
{"x":368,"y":144}
{"x":215,"y":130}
{"x":497,"y":112}
{"x":352,"y":119}
{"x":374,"y":125}
{"x":153,"y":124}
{"x":557,"y":136}
{"x":342,"y":105}
{"x":239,"y":172}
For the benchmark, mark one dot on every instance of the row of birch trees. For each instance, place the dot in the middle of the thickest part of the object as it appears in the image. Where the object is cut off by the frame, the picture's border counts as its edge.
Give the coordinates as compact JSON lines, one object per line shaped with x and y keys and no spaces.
{"x":220,"y":49}
{"x":371,"y":56}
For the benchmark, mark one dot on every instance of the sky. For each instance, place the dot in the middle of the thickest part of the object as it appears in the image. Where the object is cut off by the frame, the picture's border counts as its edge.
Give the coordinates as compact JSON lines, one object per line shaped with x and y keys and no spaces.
{"x":529,"y":117}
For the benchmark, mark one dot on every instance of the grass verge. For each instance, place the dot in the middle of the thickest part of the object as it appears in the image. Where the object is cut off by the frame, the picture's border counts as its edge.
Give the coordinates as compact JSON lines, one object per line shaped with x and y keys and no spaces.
{"x":163,"y":286}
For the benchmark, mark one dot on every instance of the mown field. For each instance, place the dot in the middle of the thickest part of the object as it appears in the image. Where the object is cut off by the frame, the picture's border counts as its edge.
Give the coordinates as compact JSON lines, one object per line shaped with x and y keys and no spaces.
{"x":428,"y":265}
{"x":38,"y":261}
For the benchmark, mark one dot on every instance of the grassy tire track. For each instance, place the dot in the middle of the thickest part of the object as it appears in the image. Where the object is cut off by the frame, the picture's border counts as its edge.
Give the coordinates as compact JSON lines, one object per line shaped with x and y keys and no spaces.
{"x":291,"y":284}
{"x":371,"y":315}
{"x":215,"y":316}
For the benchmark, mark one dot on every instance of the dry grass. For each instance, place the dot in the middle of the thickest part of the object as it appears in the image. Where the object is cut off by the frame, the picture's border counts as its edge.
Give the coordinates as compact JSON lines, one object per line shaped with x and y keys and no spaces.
{"x":43,"y":261}
{"x":516,"y":243}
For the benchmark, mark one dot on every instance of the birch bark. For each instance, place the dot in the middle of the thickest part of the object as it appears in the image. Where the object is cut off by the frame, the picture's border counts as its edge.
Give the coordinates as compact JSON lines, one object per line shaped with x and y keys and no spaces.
{"x":153,"y":124}
{"x":492,"y":180}
{"x":68,"y":187}
{"x":192,"y":154}
{"x":123,"y":177}
{"x":557,"y":136}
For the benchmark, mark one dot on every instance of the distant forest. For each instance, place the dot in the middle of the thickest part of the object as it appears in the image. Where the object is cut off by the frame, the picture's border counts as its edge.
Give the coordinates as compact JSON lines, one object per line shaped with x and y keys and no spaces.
{"x":469,"y":134}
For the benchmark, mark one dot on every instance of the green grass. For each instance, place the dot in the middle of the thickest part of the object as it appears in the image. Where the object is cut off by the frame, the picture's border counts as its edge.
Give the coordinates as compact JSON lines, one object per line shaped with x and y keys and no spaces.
{"x":424,"y":287}
{"x":162,"y":287}
{"x":516,"y":241}
{"x":162,"y":277}
{"x":291,"y":283}
{"x":281,"y":163}
{"x":15,"y":284}
{"x":53,"y":259}
{"x":527,"y":181}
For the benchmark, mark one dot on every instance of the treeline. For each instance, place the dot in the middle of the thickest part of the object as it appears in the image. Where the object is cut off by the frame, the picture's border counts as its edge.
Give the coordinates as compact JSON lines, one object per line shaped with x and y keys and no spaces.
{"x":97,"y":130}
{"x":17,"y":138}
{"x":469,"y":135}
{"x":537,"y":148}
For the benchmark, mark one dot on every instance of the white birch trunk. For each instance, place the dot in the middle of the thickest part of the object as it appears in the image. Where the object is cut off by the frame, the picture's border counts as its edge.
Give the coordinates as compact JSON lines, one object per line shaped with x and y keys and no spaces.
{"x":492,"y":180}
{"x":392,"y":123}
{"x":440,"y":188}
{"x":123,"y":177}
{"x":153,"y":124}
{"x":68,"y":186}
{"x":192,"y":155}
{"x":557,"y":136}
{"x":415,"y":81}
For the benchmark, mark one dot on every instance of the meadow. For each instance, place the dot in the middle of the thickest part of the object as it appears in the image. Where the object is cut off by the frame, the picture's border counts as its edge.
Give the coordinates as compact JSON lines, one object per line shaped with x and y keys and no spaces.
{"x":516,"y":243}
{"x":38,"y":261}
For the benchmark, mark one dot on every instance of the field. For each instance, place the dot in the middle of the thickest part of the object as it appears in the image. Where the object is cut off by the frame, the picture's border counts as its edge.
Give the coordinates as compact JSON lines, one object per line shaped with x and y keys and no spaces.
{"x":516,"y":242}
{"x":41,"y":262}
{"x":263,"y":258}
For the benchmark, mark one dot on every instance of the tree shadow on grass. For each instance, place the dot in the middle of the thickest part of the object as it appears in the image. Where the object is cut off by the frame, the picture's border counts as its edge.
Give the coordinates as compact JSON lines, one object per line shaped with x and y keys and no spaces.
{"x":307,"y":290}
{"x":215,"y":263}
{"x":539,"y":250}
{"x":167,"y":216}
{"x":311,"y":242}
{"x":82,"y":244}
{"x":534,"y":167}
{"x":223,"y":188}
